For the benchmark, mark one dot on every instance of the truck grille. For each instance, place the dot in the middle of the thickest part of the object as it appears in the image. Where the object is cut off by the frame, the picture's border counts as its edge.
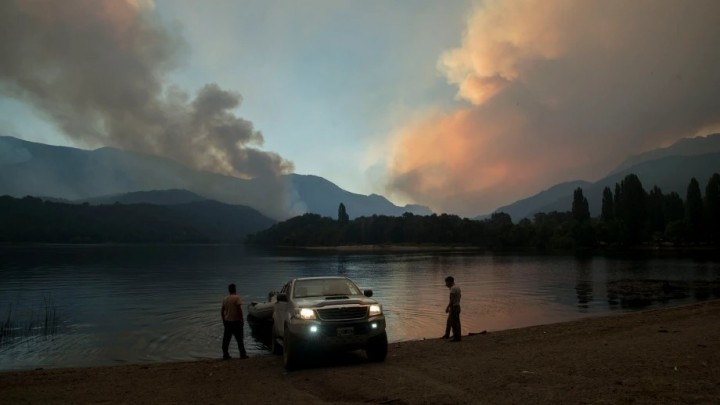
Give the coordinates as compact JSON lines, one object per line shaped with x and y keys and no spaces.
{"x":341,"y":314}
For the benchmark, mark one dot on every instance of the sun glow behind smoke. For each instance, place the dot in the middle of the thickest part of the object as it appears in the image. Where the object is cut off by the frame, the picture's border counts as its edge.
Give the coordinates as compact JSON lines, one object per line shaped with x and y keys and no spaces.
{"x":553,"y":88}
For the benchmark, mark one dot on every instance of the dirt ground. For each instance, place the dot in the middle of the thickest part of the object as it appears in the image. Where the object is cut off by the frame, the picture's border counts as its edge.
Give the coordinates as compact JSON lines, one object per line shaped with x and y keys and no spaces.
{"x":662,"y":356}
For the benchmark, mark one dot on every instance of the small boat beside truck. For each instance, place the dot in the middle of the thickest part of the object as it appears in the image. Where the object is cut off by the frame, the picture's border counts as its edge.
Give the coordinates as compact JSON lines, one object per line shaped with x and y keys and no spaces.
{"x":262,"y":312}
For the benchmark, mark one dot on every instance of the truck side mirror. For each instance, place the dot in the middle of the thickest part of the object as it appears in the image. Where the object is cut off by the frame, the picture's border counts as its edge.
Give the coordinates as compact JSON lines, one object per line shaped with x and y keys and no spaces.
{"x":368,"y":293}
{"x":282,"y":297}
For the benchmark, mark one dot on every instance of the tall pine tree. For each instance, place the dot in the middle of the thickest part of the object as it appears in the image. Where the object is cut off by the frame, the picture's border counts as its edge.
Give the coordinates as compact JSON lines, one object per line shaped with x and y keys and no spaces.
{"x":343,"y":217}
{"x":580,"y":207}
{"x":694,"y":211}
{"x":630,"y":209}
{"x":712,"y":208}
{"x":607,"y":213}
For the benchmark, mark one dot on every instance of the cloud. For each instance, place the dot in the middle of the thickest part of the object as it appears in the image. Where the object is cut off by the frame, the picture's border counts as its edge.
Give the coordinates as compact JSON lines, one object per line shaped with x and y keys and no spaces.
{"x":97,"y":69}
{"x":558,"y":91}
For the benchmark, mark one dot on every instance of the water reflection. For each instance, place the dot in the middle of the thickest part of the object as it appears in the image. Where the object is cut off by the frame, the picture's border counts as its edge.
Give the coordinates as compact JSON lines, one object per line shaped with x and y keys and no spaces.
{"x":129,"y":304}
{"x":639,"y":293}
{"x":584,"y":285}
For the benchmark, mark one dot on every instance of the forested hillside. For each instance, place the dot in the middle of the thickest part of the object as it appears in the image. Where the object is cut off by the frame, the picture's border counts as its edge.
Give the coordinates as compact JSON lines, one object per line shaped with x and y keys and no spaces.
{"x":631,"y":216}
{"x":34,"y":220}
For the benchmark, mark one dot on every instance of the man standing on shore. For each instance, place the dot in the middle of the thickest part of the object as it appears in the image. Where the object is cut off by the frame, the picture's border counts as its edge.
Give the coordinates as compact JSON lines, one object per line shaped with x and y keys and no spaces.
{"x":453,"y":311}
{"x":232,"y":316}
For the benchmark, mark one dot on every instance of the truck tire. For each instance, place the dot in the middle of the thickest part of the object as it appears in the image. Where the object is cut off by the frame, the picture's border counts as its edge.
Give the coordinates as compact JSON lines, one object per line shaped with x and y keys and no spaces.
{"x":377,"y":348}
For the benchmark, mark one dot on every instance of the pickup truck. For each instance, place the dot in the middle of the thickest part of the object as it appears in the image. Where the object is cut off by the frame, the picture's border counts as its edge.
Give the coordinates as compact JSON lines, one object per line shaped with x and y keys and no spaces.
{"x":326,"y":314}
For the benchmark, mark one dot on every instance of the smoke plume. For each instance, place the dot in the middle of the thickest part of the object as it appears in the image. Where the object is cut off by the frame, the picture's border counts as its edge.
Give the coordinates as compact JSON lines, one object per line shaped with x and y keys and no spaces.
{"x":557,"y":91}
{"x":97,"y":68}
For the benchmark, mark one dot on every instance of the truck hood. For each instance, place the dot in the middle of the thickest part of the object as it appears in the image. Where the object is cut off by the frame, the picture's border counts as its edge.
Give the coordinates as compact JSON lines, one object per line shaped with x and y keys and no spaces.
{"x":319,"y":302}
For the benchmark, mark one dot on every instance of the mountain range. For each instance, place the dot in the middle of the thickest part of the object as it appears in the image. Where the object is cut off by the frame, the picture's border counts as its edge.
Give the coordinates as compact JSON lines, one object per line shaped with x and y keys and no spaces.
{"x":106,"y":174}
{"x":669,"y":168}
{"x":109,"y":175}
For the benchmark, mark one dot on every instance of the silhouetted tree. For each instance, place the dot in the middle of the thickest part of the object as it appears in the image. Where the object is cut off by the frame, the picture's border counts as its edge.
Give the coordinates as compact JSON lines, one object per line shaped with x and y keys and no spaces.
{"x":580,"y":206}
{"x":673,"y":207}
{"x":656,"y":217}
{"x":630,"y":209}
{"x":582,"y":231}
{"x":712,"y":208}
{"x":553,"y":230}
{"x":343,"y":217}
{"x":694,"y":211}
{"x":607,"y":213}
{"x":674,"y":213}
{"x":500,"y":227}
{"x":607,"y":227}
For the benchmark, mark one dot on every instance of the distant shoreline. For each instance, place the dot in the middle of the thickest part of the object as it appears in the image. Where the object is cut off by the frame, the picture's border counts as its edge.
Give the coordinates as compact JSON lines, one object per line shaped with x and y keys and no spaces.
{"x":395,"y":248}
{"x":399,"y":248}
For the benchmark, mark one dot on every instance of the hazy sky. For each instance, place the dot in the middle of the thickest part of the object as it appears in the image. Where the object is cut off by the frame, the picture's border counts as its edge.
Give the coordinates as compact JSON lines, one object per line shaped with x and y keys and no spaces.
{"x":460,"y":105}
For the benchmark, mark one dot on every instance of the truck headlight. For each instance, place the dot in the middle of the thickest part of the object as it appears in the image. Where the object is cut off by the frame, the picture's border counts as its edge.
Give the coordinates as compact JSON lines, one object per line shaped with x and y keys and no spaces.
{"x":375,"y":309}
{"x":305,"y":313}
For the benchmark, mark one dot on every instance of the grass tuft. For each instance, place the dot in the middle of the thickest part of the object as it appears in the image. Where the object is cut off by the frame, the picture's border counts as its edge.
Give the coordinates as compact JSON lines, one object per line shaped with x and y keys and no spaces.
{"x":17,"y":327}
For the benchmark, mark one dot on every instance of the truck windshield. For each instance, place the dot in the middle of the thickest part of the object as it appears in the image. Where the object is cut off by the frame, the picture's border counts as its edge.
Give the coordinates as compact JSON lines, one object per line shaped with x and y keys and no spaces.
{"x":325,"y":287}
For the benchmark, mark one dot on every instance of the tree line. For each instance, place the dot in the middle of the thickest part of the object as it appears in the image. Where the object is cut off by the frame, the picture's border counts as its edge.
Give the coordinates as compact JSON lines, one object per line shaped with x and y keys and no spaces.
{"x":630,"y":216}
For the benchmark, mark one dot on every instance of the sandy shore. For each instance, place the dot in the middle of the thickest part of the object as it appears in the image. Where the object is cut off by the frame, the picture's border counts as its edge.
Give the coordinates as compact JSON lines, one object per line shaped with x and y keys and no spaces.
{"x":662,"y":356}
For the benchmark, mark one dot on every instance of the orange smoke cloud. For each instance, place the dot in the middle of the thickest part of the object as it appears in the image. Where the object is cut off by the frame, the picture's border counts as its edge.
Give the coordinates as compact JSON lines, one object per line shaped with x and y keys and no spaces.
{"x":559,"y":91}
{"x":460,"y":162}
{"x":501,"y":37}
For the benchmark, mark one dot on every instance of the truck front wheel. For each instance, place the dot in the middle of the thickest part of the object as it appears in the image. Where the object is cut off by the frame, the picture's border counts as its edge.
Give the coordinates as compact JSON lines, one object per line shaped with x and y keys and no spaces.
{"x":291,"y":352}
{"x":377,"y":348}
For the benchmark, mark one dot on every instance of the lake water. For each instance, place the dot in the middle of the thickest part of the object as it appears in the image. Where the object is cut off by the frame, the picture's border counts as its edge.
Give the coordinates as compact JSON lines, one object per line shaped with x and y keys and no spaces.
{"x":110,"y":305}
